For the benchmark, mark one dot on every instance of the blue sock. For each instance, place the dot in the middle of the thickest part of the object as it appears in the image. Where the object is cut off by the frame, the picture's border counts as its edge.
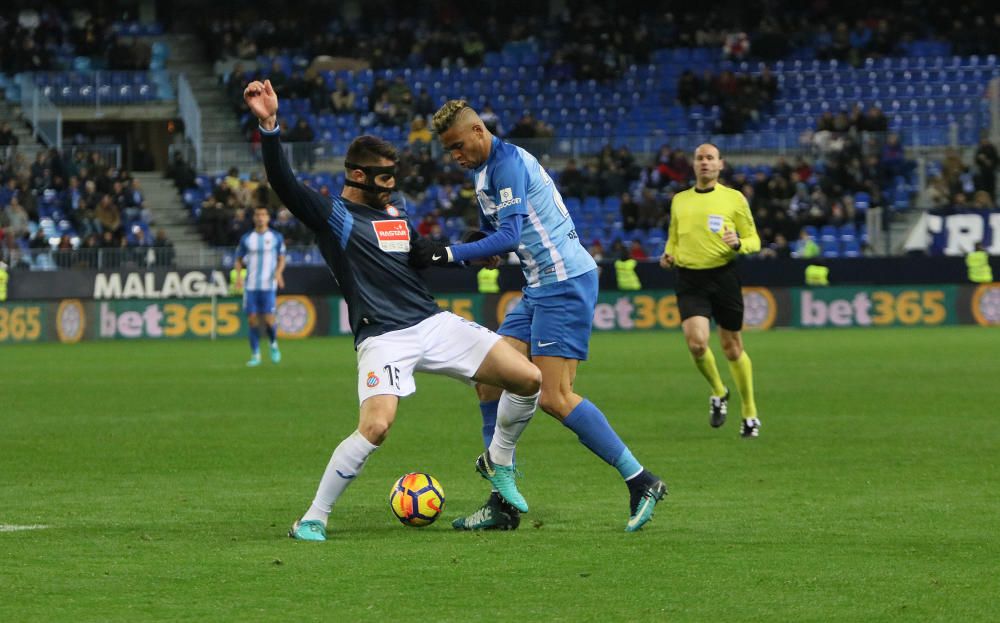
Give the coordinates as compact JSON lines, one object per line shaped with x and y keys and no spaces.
{"x":590,"y":425}
{"x":272,"y":334}
{"x":489,"y":411}
{"x":254,"y":340}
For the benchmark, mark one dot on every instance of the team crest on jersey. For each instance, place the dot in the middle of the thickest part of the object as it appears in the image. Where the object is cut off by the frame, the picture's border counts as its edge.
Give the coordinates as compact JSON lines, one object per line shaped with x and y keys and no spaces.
{"x":393,"y":235}
{"x":372,"y":380}
{"x":391,"y":210}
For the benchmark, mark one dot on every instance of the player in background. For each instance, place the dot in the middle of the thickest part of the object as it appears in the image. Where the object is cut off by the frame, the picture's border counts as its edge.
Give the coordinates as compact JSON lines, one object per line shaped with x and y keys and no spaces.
{"x":398,"y":327}
{"x":710,"y":225}
{"x":522,"y":211}
{"x":262,"y":252}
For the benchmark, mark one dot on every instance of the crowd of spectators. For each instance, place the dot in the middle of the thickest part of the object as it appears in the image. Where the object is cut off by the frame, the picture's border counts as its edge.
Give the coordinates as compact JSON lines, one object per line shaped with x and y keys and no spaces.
{"x":741,"y":98}
{"x":955,"y":186}
{"x":591,"y":41}
{"x":226,"y":211}
{"x":48,"y":39}
{"x":64,"y":209}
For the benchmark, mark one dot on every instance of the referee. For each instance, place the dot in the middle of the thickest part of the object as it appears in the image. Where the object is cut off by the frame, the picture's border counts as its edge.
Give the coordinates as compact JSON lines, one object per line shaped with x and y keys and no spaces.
{"x":710,"y":225}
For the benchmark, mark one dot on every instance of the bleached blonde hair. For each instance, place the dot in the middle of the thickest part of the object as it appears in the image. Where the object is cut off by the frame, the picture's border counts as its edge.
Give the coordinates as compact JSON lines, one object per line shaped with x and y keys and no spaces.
{"x":447,"y":115}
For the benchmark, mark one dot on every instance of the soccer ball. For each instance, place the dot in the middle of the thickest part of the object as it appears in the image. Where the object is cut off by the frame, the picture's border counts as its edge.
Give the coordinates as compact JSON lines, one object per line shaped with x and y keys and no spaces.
{"x":416,"y":499}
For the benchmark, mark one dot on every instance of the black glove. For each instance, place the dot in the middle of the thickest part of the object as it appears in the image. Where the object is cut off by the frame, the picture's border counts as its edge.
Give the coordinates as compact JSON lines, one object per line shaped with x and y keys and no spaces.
{"x":425,"y":253}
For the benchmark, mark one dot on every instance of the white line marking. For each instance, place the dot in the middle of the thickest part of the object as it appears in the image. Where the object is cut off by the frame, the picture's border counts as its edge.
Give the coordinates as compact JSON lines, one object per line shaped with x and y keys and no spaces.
{"x":7,"y":527}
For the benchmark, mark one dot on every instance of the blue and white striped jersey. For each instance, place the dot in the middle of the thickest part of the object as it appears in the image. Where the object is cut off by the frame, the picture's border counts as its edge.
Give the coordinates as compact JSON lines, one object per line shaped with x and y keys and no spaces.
{"x":259,"y":253}
{"x":512,"y":181}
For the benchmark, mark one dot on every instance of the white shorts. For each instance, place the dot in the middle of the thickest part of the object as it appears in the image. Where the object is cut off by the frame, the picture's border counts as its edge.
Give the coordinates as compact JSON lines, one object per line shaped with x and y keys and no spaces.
{"x":442,"y":344}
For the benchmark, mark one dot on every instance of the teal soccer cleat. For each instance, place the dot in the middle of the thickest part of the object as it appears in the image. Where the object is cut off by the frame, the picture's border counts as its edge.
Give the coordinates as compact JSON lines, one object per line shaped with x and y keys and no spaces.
{"x":311,"y":530}
{"x":275,"y":354}
{"x":502,"y":478}
{"x":642,"y":503}
{"x":254,"y":360}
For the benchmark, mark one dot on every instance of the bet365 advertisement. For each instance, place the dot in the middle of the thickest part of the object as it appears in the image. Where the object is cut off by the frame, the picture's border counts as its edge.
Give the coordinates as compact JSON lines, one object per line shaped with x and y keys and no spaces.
{"x":72,"y":320}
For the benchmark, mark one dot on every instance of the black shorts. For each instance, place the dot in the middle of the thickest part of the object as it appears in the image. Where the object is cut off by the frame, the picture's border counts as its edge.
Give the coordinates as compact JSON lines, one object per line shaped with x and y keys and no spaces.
{"x":713,"y":293}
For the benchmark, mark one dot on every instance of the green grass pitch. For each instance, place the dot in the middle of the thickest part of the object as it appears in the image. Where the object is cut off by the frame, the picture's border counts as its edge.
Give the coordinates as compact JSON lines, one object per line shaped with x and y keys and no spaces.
{"x":168,"y":474}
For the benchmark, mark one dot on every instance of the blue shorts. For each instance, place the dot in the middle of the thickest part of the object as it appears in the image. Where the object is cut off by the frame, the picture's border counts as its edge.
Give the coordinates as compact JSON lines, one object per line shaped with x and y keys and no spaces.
{"x":259,"y":301}
{"x":555,"y":319}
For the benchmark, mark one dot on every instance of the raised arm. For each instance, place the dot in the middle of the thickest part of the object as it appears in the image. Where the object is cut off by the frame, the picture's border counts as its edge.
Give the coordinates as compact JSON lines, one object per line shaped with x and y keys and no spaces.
{"x":306,"y":204}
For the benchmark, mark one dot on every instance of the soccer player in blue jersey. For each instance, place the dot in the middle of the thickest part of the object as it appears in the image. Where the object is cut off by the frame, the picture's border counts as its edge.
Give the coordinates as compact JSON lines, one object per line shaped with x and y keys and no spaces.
{"x":262,"y":252}
{"x":521,"y":210}
{"x":398,"y":327}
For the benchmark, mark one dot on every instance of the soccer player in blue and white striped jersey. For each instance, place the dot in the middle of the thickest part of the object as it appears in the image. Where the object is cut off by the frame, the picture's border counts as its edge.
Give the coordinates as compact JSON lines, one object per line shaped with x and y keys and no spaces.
{"x":521,"y":210}
{"x":262,"y":252}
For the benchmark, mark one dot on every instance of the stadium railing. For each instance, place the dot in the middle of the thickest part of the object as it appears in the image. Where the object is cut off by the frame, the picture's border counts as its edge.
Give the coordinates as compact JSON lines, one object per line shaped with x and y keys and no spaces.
{"x":222,"y":156}
{"x":42,"y":113}
{"x":190,"y":112}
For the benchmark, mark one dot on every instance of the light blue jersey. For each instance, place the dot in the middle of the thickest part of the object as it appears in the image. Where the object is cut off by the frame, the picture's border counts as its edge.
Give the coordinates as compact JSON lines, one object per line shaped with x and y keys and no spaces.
{"x":260,"y":253}
{"x":511,"y":181}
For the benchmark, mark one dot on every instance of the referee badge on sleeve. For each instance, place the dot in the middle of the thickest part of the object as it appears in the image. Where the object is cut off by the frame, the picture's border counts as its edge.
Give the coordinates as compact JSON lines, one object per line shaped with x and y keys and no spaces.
{"x":715,"y":223}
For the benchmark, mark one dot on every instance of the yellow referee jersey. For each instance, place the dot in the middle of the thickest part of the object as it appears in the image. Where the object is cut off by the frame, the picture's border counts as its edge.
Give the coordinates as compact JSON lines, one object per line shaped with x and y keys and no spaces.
{"x":697,"y":222}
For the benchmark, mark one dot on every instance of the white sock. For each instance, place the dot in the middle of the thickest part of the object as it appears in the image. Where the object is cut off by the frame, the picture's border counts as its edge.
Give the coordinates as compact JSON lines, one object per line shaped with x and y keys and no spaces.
{"x":513,"y":414}
{"x":346,"y":463}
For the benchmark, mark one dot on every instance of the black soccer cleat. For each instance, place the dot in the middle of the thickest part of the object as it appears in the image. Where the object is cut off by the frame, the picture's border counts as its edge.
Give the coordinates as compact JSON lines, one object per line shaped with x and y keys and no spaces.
{"x":718,"y":407}
{"x":496,"y":514}
{"x":642,"y":500}
{"x":750,"y":428}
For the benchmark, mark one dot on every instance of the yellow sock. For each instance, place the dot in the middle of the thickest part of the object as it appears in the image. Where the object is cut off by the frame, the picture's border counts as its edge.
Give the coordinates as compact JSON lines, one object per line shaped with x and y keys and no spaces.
{"x":742,"y":371}
{"x":706,"y":365}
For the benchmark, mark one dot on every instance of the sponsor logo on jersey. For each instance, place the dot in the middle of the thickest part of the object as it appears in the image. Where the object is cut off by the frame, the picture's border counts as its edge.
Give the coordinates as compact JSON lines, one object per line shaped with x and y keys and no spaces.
{"x":507,"y":198}
{"x":372,"y":380}
{"x":393,"y":235}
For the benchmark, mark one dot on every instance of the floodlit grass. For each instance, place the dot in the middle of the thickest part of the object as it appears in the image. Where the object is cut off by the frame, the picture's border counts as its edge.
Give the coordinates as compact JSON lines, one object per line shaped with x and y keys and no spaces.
{"x":168,"y":474}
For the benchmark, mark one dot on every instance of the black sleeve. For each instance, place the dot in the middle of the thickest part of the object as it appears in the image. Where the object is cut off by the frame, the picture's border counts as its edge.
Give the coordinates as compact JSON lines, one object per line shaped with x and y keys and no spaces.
{"x":306,"y":204}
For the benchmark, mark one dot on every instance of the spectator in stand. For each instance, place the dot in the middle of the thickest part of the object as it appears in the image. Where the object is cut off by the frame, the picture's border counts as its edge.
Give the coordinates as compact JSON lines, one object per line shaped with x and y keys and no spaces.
{"x":572,"y":181}
{"x":892,"y":158}
{"x":687,"y":89}
{"x":491,"y":120}
{"x":16,"y":218}
{"x":630,"y":212}
{"x":807,"y":246}
{"x":778,"y":248}
{"x":108,"y":216}
{"x":427,"y":224}
{"x":302,"y":137}
{"x":636,"y":252}
{"x":524,"y":128}
{"x":341,"y":99}
{"x":163,"y":248}
{"x":986,"y":161}
{"x":420,"y":134}
{"x":436,"y":235}
{"x":981,"y":200}
{"x":423,"y":105}
{"x":286,"y":225}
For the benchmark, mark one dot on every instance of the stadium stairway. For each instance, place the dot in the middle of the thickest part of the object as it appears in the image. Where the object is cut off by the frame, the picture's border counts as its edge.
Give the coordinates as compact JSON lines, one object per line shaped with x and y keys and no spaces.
{"x":27,"y":146}
{"x":168,"y":211}
{"x":218,"y":122}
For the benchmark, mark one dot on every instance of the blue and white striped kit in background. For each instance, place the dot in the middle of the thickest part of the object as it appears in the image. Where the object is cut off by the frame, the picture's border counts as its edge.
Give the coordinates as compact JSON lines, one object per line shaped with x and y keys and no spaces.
{"x":259,"y":253}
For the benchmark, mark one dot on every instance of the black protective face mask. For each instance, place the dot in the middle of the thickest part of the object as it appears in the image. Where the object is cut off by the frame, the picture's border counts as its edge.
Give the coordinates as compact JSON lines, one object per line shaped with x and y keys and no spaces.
{"x":370,"y":173}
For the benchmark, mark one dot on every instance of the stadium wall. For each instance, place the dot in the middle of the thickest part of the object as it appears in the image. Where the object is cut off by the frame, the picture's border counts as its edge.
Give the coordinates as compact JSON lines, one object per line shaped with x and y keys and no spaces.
{"x":74,"y":319}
